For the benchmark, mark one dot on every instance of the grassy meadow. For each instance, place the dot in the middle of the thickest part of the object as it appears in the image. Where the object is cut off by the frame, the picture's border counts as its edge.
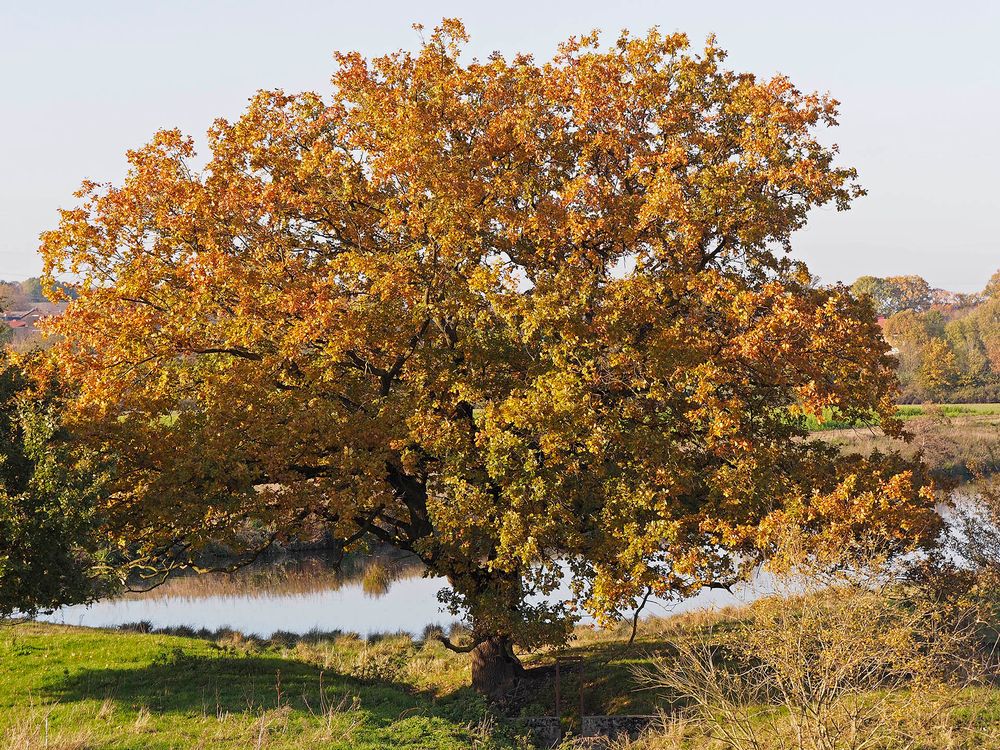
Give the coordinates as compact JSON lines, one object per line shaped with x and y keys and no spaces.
{"x":85,"y":689}
{"x":66,"y":687}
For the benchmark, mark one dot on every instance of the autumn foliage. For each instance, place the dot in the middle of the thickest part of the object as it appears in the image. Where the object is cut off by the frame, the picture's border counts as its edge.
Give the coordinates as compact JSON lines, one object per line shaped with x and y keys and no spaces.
{"x":524,"y":319}
{"x":947,"y":345}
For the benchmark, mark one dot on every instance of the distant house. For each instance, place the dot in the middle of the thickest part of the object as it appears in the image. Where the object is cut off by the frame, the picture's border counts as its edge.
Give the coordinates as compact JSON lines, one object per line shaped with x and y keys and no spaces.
{"x":24,"y":323}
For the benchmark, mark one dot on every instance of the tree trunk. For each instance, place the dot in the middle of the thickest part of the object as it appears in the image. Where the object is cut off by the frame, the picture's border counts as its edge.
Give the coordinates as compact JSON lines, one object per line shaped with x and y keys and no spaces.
{"x":495,"y":667}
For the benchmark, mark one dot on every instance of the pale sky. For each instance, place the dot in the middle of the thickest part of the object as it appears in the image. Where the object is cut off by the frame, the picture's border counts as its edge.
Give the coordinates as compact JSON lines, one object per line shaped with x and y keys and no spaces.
{"x":919,"y":83}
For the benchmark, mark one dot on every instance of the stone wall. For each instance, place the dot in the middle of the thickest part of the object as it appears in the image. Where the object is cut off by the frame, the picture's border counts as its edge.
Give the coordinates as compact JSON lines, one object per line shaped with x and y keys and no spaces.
{"x":547,"y":730}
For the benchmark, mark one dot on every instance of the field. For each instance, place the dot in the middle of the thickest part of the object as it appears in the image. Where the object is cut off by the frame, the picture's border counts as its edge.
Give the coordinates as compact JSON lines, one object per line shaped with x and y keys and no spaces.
{"x":908,"y":412}
{"x":68,"y":687}
{"x":956,"y":440}
{"x":81,"y":689}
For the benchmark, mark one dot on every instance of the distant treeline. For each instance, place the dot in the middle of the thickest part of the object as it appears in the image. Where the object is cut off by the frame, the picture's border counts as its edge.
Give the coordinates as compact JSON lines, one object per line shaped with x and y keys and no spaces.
{"x":947,"y":344}
{"x":21,"y":295}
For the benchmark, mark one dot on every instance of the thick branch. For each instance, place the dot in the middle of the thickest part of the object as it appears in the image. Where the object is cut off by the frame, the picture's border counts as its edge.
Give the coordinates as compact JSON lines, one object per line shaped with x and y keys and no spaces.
{"x":242,"y":353}
{"x":457,"y":649}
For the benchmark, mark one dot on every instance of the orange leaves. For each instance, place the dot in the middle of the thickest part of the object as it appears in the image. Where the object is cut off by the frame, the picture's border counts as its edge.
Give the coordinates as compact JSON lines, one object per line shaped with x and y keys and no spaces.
{"x":496,"y":312}
{"x":876,"y":504}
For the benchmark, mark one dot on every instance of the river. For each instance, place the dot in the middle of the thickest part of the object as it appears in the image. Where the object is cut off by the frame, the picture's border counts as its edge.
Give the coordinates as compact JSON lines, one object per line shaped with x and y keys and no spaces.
{"x":303,"y":593}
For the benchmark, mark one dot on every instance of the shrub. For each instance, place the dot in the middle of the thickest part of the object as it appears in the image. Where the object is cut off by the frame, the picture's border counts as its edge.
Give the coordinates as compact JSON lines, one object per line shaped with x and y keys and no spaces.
{"x":842,"y":665}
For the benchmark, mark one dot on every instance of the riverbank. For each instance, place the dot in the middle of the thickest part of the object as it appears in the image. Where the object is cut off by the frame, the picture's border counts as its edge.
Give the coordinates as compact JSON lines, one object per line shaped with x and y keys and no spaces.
{"x":68,"y":688}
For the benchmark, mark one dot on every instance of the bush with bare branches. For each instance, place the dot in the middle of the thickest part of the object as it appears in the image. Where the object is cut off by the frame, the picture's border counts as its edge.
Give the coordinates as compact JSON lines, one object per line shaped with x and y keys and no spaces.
{"x":837,"y":662}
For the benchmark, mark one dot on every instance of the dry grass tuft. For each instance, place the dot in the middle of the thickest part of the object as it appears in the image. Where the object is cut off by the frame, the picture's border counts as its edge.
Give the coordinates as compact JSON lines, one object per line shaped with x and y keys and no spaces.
{"x":36,"y":729}
{"x":838,"y":662}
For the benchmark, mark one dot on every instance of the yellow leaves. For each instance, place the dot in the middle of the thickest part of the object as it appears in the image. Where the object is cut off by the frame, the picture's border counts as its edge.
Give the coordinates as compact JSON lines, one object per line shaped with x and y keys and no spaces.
{"x":939,"y":367}
{"x":870,"y":507}
{"x":497,"y":312}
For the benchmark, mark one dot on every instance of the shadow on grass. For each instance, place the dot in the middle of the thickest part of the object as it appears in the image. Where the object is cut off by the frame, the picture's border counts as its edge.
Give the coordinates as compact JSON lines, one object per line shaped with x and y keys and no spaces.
{"x":608,"y":683}
{"x":261,"y":678}
{"x":210,"y":685}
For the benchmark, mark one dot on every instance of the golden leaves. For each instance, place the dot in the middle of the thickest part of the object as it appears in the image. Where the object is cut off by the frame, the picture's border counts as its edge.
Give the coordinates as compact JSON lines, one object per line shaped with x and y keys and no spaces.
{"x":495,"y":312}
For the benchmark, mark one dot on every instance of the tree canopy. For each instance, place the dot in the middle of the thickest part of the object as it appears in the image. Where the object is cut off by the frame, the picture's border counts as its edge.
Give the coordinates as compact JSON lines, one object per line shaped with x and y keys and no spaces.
{"x":894,"y":294}
{"x":951,"y":351}
{"x":524,"y":319}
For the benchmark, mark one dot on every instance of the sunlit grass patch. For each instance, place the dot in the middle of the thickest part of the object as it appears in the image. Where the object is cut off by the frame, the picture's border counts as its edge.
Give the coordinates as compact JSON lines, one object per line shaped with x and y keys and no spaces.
{"x":100,"y":689}
{"x":832,"y":420}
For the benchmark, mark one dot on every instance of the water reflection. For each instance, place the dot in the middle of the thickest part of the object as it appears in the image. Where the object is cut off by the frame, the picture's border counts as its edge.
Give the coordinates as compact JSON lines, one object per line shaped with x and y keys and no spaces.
{"x":289,"y":574}
{"x":303,"y":593}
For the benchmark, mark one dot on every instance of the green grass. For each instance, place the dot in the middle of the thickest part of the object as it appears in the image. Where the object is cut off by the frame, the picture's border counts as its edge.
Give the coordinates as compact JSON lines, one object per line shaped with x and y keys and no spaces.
{"x":108,"y":689}
{"x":85,"y":688}
{"x":66,"y":688}
{"x":831,"y":421}
{"x":950,"y":410}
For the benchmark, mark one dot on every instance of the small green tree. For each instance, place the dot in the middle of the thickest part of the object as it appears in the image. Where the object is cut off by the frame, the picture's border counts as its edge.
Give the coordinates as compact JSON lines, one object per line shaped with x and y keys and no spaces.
{"x":48,"y":493}
{"x":877,"y":291}
{"x":893,"y":294}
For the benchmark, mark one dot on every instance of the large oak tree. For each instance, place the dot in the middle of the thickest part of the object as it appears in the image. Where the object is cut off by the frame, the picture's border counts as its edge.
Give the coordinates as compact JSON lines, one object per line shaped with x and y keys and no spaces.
{"x":526,"y":320}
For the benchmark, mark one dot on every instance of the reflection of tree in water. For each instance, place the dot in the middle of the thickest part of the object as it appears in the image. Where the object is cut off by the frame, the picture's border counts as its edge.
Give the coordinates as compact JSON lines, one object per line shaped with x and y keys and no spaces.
{"x":293,"y":573}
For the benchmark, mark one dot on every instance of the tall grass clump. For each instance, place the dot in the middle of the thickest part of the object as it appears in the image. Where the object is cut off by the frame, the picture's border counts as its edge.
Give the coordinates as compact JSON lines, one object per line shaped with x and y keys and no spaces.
{"x":839,"y":661}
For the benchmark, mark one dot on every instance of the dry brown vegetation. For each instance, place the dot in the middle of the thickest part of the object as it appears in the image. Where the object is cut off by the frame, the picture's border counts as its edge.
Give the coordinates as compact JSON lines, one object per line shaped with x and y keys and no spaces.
{"x":848,"y":668}
{"x":953,"y":446}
